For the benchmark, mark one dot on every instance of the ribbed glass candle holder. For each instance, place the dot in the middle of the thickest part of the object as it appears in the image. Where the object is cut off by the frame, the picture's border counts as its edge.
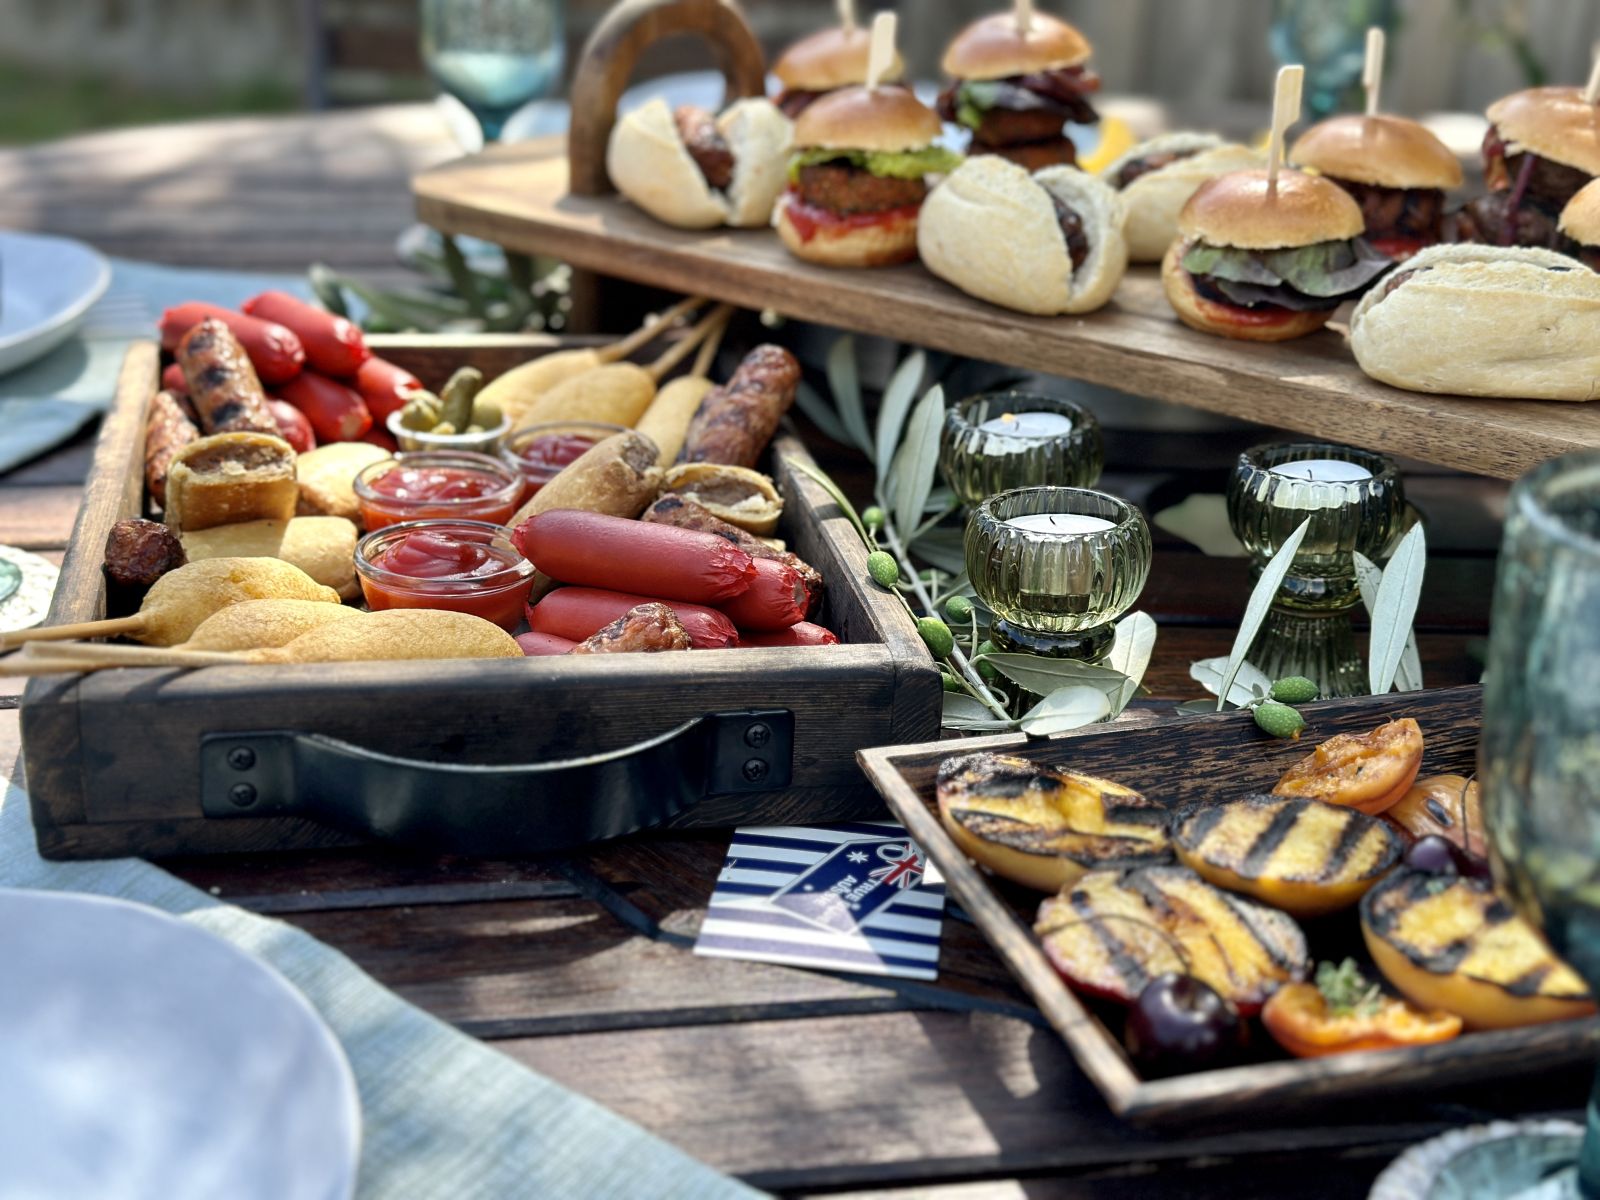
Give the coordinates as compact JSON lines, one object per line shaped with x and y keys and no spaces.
{"x":1354,"y":499}
{"x":1057,"y":565}
{"x":980,"y":462}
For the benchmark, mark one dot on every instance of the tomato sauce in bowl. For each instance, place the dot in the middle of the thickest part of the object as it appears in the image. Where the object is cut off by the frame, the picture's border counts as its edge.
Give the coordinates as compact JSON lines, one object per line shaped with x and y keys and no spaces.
{"x":462,"y":566}
{"x":432,"y":485}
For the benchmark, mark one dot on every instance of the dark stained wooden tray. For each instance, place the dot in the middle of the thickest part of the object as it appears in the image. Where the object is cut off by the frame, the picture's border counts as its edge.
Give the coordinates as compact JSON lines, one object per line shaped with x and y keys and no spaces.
{"x":1199,"y":759}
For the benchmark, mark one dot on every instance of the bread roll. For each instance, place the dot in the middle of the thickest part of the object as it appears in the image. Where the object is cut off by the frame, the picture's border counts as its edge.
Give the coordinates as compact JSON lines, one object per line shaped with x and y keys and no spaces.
{"x":327,"y":478}
{"x":231,"y":477}
{"x":992,"y":230}
{"x":1484,"y":321}
{"x":650,"y":165}
{"x":1154,"y":200}
{"x":323,"y":547}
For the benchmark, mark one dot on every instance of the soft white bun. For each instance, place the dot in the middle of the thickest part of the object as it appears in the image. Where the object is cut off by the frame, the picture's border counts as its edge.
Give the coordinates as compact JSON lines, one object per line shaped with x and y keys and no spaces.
{"x":1155,"y":199}
{"x":1245,"y":209}
{"x":993,"y":47}
{"x":880,"y":244}
{"x":650,"y":165}
{"x":991,"y":230}
{"x":1485,"y":321}
{"x":863,"y":118}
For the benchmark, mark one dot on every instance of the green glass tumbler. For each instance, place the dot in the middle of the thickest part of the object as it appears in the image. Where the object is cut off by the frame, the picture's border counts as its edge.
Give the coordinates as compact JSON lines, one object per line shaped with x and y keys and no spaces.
{"x":997,"y":441}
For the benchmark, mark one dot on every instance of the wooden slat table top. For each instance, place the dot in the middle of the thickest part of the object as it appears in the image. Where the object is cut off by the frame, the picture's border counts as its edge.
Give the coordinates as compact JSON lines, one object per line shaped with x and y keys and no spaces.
{"x":581,"y":968}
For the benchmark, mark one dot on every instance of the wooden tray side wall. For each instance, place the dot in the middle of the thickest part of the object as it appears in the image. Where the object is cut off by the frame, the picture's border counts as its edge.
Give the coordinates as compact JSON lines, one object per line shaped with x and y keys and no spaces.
{"x":1184,"y":761}
{"x":112,"y":757}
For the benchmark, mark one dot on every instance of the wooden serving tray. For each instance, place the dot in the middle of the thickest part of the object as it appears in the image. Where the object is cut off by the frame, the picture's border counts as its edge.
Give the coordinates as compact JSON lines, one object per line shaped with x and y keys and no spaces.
{"x":114,"y":758}
{"x":1198,"y":759}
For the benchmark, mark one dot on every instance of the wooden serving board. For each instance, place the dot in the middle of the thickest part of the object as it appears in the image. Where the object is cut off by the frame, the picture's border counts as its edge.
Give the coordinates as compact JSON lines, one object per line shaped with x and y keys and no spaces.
{"x":518,"y":196}
{"x":1213,"y":758}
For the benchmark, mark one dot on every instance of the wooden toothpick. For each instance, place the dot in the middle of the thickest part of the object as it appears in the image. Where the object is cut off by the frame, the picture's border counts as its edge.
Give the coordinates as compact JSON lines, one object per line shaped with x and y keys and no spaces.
{"x":1372,"y":75}
{"x":1591,"y":94}
{"x":881,"y":53}
{"x":1024,"y":16}
{"x":1285,"y":112}
{"x":847,"y":15}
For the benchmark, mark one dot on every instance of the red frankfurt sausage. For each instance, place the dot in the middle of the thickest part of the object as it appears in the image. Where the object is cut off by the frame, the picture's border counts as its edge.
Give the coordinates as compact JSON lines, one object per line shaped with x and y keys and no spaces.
{"x":333,"y":345}
{"x":292,"y":425}
{"x":274,"y":351}
{"x":380,"y":437}
{"x":580,"y":612}
{"x":776,"y":598}
{"x":173,"y":381}
{"x":595,"y":550}
{"x":385,"y":387}
{"x":336,"y":413}
{"x":536,"y":645}
{"x":803,"y":634}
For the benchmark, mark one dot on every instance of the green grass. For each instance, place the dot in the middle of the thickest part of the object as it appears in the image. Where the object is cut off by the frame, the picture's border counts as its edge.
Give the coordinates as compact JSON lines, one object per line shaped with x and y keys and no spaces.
{"x":36,"y":105}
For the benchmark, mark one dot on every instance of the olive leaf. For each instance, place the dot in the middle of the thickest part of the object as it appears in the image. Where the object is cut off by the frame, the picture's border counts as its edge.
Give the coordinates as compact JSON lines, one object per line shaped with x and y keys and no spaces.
{"x":897,"y":398}
{"x":1255,"y":612}
{"x":1130,"y":654}
{"x":821,"y":480}
{"x":964,"y":713}
{"x":844,"y":380}
{"x":1395,"y":608}
{"x":917,"y":460}
{"x":1368,"y":576}
{"x":1250,"y":683}
{"x":1064,"y":709}
{"x":1195,"y":707}
{"x":942,"y":548}
{"x":820,"y":413}
{"x":1044,"y":676}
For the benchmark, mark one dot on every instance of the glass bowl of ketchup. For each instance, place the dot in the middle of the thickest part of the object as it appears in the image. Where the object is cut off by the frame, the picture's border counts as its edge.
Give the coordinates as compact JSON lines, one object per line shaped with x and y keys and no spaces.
{"x":541,"y":452}
{"x":463,"y":566}
{"x":435,"y":484}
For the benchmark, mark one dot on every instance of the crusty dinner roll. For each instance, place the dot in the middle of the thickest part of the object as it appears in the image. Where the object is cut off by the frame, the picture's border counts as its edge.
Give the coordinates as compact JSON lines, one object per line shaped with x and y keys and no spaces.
{"x":1484,"y":321}
{"x":1154,"y":198}
{"x":994,"y":231}
{"x":328,"y":477}
{"x":649,"y":164}
{"x":230,"y":477}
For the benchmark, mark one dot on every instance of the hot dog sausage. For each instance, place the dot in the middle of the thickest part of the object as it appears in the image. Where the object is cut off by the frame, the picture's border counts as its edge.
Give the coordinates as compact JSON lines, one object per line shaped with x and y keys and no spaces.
{"x":595,"y":550}
{"x":336,"y":413}
{"x":578,"y":612}
{"x":222,"y":383}
{"x":385,"y":387}
{"x":643,"y":630}
{"x":332,"y":344}
{"x":274,"y":351}
{"x":292,"y":425}
{"x":166,"y":431}
{"x":803,"y":634}
{"x":735,"y":422}
{"x":537,"y":645}
{"x":686,"y":514}
{"x":775,"y":599}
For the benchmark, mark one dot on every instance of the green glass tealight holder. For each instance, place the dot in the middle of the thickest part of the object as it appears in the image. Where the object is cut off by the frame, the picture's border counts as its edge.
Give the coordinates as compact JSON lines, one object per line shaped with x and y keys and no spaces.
{"x":1355,"y":501}
{"x":998,"y":441}
{"x":1057,"y":566}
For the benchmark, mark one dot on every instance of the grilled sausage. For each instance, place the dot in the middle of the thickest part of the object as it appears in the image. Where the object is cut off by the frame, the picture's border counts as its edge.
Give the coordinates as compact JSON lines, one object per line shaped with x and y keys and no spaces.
{"x":736,"y":421}
{"x":705,"y":144}
{"x":222,"y":383}
{"x":167,"y":430}
{"x":686,"y":514}
{"x":138,"y":552}
{"x":646,"y":629}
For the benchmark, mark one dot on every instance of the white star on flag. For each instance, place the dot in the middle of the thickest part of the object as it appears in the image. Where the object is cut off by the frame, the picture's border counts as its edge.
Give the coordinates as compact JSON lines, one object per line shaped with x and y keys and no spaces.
{"x":857,"y":856}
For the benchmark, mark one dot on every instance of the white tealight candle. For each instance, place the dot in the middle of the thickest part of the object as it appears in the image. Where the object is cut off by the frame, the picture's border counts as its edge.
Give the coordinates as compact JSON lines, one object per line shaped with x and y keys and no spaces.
{"x":1073,"y":524}
{"x":1029,"y":424}
{"x":1323,"y":470}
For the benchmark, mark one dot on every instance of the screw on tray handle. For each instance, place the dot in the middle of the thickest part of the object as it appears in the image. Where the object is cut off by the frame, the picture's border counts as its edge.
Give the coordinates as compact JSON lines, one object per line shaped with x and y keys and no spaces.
{"x":613,"y":51}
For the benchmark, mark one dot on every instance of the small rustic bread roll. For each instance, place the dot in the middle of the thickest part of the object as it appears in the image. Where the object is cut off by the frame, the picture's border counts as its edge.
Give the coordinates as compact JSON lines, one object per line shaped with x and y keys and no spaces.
{"x":323,"y":547}
{"x":1484,"y":321}
{"x":327,"y":478}
{"x":649,"y":164}
{"x":617,"y":476}
{"x":231,"y":477}
{"x":264,"y":624}
{"x":736,"y":495}
{"x":1155,"y":198}
{"x":995,"y":231}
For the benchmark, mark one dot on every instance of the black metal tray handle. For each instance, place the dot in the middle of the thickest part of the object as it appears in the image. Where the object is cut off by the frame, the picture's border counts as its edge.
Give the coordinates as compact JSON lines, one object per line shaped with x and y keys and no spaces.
{"x":466,"y":808}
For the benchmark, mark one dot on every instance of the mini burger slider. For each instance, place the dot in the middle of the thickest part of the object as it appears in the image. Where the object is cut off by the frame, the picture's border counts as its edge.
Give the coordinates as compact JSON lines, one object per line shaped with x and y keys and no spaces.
{"x":1396,"y":170}
{"x":1016,"y":88}
{"x":1264,"y":262}
{"x":1156,"y":179}
{"x":825,"y":62}
{"x":1046,"y":243}
{"x":1508,"y":321}
{"x":687,"y":168}
{"x":856,"y":181}
{"x":1580,"y":227}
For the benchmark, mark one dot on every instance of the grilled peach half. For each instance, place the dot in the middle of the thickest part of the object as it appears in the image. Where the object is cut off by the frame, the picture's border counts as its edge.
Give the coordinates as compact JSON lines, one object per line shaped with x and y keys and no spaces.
{"x":1449,"y":942}
{"x":1303,"y":856}
{"x":1365,"y":771}
{"x":1045,"y":828}
{"x":1445,"y":806}
{"x":1112,"y":932}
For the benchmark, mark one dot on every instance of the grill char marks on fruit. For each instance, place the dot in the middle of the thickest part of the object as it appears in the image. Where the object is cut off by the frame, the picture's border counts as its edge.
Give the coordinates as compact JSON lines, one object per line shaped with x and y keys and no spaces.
{"x":842,"y":188}
{"x":708,"y":148}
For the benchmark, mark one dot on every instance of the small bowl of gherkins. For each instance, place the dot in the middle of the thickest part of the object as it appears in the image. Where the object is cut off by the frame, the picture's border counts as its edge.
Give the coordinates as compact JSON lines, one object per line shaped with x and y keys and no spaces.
{"x":454,"y":419}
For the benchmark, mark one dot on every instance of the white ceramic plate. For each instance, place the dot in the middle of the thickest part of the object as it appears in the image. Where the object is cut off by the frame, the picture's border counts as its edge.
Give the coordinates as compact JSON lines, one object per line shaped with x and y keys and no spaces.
{"x":141,"y":1057}
{"x":47,"y":284}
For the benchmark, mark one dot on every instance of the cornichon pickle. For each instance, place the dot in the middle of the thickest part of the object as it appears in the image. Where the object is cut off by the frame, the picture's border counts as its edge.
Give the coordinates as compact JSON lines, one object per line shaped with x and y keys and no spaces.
{"x":421,"y":411}
{"x":458,"y":394}
{"x":486,"y":413}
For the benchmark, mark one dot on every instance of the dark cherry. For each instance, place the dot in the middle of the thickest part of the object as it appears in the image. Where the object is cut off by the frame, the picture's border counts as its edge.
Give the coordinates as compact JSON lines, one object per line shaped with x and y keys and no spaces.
{"x":1179,"y":1024}
{"x":1434,"y":854}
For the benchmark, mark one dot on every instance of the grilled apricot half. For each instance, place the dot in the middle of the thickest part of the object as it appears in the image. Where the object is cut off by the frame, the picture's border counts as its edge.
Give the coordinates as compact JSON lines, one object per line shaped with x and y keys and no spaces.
{"x":1449,"y":942}
{"x":1045,"y":828}
{"x":1301,"y":1020}
{"x":1112,"y":932}
{"x":1303,"y":856}
{"x":1445,"y":806}
{"x":1365,"y":771}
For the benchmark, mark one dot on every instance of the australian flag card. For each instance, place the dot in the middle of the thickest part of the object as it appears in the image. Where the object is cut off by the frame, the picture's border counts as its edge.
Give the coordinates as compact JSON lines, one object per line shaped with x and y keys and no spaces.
{"x":857,"y":896}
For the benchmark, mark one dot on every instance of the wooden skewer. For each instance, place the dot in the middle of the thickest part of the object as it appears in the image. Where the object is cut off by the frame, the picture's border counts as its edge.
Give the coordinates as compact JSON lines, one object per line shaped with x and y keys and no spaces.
{"x":1285,"y":112}
{"x":708,"y":348}
{"x":74,"y":657}
{"x":659,"y":369}
{"x":1372,"y":74}
{"x":112,"y":627}
{"x":1024,"y":12}
{"x":880,"y":55}
{"x":847,"y":15}
{"x":1591,"y":93}
{"x":648,"y":332}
